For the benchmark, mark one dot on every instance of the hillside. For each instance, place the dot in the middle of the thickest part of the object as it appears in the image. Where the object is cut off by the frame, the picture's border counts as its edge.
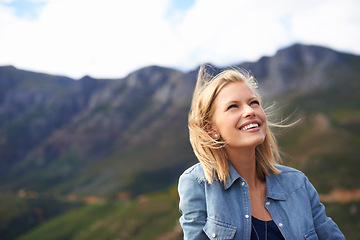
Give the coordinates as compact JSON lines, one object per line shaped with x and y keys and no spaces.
{"x":110,"y":141}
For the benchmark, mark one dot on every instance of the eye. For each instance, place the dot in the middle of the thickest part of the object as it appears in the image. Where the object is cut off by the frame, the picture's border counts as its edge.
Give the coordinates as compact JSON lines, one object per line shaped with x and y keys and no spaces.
{"x":232,"y":106}
{"x":254,"y":102}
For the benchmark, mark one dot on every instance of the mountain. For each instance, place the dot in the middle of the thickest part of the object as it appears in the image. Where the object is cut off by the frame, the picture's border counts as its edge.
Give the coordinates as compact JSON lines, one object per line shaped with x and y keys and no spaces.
{"x":303,"y":68}
{"x":63,"y":130}
{"x":94,"y":140}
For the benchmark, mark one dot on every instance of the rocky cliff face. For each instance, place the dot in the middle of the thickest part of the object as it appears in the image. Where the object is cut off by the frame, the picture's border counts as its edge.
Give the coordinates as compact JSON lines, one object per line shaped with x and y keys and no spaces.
{"x":33,"y":106}
{"x":65,"y":135}
{"x":302,"y":68}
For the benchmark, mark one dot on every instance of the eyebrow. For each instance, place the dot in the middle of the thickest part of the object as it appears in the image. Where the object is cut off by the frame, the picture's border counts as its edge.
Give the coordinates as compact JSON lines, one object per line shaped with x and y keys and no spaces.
{"x":236,"y":101}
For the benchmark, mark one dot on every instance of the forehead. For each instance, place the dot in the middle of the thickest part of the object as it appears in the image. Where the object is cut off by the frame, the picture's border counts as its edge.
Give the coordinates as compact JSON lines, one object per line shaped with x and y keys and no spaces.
{"x":235,"y":91}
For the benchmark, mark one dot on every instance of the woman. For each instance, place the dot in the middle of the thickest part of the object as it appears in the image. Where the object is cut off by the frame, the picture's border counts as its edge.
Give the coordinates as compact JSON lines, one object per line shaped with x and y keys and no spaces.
{"x":238,"y":191}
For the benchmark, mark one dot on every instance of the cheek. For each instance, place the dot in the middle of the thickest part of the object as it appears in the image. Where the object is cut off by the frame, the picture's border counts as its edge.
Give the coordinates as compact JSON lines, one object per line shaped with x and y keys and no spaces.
{"x":220,"y":127}
{"x":219,"y":122}
{"x":265,"y":129}
{"x":262,"y":115}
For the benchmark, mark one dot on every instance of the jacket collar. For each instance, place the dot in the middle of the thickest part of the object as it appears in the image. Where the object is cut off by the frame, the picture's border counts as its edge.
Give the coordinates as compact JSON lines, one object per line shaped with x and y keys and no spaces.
{"x":233,"y":175}
{"x":274,"y":189}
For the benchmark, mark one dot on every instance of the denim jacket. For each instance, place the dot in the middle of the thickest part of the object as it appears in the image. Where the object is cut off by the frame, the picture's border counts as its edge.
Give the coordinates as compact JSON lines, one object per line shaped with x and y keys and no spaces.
{"x":218,"y":211}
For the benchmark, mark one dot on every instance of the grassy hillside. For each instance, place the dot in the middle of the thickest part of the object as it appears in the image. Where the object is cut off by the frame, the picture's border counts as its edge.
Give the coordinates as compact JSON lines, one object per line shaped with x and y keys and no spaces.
{"x":22,"y":212}
{"x":324,"y":145}
{"x":152,"y":216}
{"x":82,"y":159}
{"x":149,"y":217}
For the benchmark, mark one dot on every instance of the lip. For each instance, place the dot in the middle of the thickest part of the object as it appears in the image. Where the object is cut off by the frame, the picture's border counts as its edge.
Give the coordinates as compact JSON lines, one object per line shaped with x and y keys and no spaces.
{"x":250,"y":122}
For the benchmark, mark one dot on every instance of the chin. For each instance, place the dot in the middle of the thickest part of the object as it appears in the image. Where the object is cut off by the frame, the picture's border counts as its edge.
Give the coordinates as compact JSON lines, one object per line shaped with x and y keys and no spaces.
{"x":257,"y":142}
{"x":247,"y":144}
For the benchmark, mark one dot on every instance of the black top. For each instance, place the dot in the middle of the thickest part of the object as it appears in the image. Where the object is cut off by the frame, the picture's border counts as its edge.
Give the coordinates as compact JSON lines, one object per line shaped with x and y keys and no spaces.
{"x":258,"y":230}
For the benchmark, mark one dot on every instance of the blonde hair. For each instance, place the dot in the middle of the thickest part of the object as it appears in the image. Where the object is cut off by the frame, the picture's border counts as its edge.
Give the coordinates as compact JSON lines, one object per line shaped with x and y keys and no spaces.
{"x":210,"y":152}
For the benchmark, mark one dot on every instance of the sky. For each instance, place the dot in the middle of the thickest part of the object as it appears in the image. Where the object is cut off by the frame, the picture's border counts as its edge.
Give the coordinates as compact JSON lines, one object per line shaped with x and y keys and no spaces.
{"x":111,"y":38}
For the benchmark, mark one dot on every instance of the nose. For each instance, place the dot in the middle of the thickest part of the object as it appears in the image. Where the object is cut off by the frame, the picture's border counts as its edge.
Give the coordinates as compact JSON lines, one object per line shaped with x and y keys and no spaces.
{"x":248,"y":112}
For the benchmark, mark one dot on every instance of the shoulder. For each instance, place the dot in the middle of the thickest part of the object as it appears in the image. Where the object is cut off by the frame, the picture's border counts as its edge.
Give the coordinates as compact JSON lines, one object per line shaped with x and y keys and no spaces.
{"x":291,"y":177}
{"x":286,"y":169}
{"x":288,"y":182}
{"x":195,"y":172}
{"x":289,"y":171}
{"x":191,"y":186}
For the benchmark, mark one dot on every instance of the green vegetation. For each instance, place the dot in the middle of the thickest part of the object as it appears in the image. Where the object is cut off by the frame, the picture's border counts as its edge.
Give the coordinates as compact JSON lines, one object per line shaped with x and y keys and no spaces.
{"x":147,"y":217}
{"x":19,"y":214}
{"x":325,"y":143}
{"x":113,"y":144}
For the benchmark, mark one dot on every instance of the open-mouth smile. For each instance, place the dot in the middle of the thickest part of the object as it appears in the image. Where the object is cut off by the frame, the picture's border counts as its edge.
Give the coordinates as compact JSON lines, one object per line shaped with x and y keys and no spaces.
{"x":250,"y":125}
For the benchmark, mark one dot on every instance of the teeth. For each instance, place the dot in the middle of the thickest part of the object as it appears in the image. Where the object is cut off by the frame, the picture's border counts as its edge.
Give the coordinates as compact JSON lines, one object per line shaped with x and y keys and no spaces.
{"x":251,"y":125}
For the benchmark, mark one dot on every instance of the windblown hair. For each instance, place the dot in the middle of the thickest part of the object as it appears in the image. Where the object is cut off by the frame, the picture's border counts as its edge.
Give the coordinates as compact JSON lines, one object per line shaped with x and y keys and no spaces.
{"x":211,"y":152}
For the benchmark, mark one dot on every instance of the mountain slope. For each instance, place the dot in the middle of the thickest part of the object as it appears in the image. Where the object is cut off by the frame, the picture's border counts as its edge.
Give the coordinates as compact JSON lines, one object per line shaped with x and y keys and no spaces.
{"x":100,"y":137}
{"x":120,"y":138}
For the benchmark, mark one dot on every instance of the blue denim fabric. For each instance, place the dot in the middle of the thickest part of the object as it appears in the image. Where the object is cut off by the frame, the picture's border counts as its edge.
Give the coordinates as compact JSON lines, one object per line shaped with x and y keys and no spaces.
{"x":218,"y":211}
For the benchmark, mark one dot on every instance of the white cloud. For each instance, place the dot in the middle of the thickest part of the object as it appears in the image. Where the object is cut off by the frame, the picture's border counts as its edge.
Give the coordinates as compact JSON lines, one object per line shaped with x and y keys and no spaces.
{"x":233,"y":30}
{"x":332,"y":23}
{"x":110,"y":38}
{"x":107,"y":38}
{"x":246,"y":30}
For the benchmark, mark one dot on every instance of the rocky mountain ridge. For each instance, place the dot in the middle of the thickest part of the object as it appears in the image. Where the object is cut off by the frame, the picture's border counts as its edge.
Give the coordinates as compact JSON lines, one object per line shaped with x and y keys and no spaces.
{"x":104,"y":136}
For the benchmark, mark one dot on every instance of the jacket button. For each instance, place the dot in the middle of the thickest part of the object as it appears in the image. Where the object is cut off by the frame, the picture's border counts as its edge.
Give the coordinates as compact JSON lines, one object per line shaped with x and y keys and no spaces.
{"x":243,"y":184}
{"x":268,"y":203}
{"x":246,"y":216}
{"x":214,"y":235}
{"x":280,"y":224}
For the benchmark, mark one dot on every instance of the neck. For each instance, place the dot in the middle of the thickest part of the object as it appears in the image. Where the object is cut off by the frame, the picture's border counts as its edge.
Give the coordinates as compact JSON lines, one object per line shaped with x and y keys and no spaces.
{"x":243,"y":160}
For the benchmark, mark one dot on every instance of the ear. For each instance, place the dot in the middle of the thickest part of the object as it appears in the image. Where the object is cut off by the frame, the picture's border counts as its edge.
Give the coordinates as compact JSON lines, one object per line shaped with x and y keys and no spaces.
{"x":211,"y":130}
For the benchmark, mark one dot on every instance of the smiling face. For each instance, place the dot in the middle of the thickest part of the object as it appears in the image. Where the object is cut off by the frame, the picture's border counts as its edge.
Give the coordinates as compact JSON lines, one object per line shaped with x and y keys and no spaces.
{"x":238,"y":117}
